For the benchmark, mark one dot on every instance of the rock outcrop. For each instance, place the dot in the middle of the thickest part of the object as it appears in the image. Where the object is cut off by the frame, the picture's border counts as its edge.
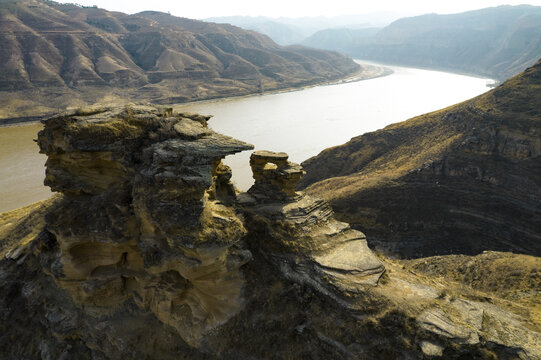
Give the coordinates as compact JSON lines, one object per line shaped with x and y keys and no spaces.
{"x":299,"y":234}
{"x":142,"y":217}
{"x":461,"y":180}
{"x":147,"y":215}
{"x":148,"y":252}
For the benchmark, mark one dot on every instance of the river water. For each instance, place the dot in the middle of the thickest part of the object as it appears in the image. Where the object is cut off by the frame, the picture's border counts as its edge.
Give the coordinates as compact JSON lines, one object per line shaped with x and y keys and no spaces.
{"x":301,"y":123}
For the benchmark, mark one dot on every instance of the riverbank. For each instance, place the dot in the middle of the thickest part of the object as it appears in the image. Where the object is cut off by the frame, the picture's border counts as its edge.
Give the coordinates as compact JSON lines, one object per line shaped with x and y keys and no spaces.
{"x":495,"y":81}
{"x":24,"y":120}
{"x":365,"y":72}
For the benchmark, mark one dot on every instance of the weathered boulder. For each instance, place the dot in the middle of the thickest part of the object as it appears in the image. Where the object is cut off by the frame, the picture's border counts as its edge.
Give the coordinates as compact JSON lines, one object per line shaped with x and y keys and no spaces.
{"x":275,"y":177}
{"x":469,"y":322}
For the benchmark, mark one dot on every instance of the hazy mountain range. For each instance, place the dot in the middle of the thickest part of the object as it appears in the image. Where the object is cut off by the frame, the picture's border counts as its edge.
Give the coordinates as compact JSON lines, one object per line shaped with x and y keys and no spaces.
{"x":497,"y":42}
{"x":287,"y":31}
{"x":83,"y":55}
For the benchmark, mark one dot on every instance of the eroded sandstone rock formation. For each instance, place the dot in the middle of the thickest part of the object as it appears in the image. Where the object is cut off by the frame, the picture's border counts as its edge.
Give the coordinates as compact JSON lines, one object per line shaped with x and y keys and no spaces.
{"x":148,"y":215}
{"x":275,"y":177}
{"x":299,"y":234}
{"x":142,"y":215}
{"x":148,"y":252}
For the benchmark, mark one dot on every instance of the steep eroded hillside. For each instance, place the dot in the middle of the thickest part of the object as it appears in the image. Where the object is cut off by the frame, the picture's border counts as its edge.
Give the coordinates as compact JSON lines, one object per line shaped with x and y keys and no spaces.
{"x":459,"y":180}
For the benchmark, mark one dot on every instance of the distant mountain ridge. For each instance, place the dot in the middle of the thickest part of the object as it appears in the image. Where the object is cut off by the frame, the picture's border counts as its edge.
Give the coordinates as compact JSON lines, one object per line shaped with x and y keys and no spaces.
{"x":343,"y":40}
{"x":55,"y":55}
{"x":459,"y":180}
{"x":287,"y":31}
{"x":283,"y":34}
{"x":497,"y":42}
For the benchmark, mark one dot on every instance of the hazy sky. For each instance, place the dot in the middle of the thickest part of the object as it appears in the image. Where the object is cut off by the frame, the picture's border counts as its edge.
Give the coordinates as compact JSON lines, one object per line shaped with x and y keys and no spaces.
{"x":199,"y":9}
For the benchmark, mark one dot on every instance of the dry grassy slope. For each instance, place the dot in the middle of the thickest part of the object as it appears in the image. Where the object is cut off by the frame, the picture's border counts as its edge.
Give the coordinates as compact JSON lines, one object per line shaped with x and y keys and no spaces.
{"x":19,"y":227}
{"x":55,"y":55}
{"x":465,"y":178}
{"x":508,"y":276}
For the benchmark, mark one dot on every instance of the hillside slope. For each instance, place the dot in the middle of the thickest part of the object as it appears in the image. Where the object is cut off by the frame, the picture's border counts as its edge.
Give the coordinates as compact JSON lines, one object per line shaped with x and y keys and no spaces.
{"x":460,"y":180}
{"x":497,"y":42}
{"x":56,"y":55}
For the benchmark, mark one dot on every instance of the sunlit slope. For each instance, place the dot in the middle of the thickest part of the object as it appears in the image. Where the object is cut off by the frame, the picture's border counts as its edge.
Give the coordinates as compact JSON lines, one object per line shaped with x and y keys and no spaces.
{"x":57,"y":55}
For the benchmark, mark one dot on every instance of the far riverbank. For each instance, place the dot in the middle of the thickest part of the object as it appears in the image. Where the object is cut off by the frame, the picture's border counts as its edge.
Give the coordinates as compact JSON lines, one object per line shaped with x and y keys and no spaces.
{"x":365,"y":72}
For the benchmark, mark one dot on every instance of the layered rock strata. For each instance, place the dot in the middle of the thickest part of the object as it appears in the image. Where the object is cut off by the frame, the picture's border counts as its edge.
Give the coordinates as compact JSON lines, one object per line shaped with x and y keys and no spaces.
{"x":142,"y":216}
{"x":299,"y":233}
{"x":147,"y":215}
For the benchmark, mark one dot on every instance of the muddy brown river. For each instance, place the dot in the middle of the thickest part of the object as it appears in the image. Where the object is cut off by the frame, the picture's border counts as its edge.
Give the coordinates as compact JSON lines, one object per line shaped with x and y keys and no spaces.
{"x":301,"y":123}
